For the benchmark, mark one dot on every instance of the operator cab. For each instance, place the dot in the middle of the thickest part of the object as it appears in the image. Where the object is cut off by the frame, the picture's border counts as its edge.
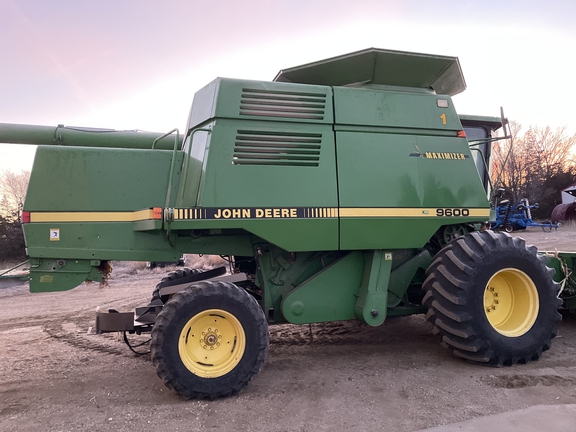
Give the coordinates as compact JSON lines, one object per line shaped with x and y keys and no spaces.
{"x":479,"y":131}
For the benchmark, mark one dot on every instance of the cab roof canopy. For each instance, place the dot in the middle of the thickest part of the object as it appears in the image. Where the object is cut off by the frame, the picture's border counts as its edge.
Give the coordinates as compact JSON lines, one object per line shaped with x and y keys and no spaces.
{"x":374,"y":66}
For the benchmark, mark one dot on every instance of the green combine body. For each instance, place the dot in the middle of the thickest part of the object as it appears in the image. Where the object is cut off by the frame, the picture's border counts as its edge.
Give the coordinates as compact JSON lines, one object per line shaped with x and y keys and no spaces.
{"x":345,"y":189}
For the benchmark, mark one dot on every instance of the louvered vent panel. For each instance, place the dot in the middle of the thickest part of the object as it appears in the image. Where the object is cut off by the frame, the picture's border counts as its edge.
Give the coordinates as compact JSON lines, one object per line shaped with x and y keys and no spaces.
{"x":274,"y":148}
{"x":292,"y":105}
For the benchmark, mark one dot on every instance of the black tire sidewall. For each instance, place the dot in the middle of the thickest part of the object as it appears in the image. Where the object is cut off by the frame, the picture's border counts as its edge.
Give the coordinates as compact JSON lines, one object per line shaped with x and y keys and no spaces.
{"x":207,"y":387}
{"x":546,"y":320}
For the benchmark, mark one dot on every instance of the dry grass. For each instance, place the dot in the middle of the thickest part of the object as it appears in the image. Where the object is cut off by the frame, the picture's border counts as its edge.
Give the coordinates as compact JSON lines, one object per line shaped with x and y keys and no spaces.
{"x":205,"y":262}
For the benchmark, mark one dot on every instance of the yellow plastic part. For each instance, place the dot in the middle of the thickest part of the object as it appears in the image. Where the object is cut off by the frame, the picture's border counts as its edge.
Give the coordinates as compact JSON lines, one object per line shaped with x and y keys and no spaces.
{"x":212,"y":343}
{"x":511,"y":302}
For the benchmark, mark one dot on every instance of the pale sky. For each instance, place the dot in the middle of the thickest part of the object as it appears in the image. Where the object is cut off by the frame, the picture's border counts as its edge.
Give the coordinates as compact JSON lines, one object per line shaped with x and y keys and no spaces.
{"x":136,"y":64}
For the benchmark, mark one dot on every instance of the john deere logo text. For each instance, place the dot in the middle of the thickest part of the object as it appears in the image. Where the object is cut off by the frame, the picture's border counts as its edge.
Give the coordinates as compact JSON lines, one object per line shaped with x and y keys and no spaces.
{"x":256,"y":213}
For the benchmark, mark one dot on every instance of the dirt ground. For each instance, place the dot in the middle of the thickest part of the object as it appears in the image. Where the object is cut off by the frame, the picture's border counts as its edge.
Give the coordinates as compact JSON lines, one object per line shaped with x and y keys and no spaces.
{"x":56,"y":376}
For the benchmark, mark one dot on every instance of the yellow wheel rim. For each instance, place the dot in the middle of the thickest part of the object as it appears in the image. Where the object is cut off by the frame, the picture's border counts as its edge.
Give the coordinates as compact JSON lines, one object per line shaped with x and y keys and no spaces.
{"x":212,"y":343}
{"x":511,"y":302}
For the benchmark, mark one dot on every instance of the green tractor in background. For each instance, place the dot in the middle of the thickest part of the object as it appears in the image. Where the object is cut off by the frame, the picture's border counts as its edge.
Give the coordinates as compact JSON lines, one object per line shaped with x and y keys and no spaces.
{"x":345,"y":189}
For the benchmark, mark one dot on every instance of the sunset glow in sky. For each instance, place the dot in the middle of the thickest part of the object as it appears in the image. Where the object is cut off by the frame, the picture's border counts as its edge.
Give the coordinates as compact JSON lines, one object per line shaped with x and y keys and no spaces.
{"x":136,"y":64}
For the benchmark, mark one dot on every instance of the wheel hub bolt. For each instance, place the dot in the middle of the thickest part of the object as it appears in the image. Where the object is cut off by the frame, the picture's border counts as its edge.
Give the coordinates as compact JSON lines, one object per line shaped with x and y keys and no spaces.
{"x":211,"y":339}
{"x":495,"y":302}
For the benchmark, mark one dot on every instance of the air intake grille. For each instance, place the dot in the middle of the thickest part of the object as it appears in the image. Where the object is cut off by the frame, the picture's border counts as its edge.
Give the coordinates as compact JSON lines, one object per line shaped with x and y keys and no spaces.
{"x":277,"y":148}
{"x":292,"y":105}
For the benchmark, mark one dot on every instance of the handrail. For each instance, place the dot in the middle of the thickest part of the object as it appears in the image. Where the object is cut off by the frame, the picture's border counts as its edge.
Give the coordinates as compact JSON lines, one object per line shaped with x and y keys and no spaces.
{"x":474,"y":143}
{"x":166,"y":134}
{"x":190,"y":134}
{"x":176,"y":140}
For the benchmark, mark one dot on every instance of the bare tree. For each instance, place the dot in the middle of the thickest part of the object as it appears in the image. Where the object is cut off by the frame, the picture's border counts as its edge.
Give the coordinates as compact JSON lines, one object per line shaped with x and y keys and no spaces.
{"x":539,"y":165}
{"x":550,"y":150}
{"x":508,"y":164}
{"x":13,"y":188}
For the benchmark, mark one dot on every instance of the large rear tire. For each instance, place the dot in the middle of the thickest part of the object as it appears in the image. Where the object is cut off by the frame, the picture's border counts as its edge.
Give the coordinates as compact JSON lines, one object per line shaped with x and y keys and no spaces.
{"x":492,"y":299}
{"x":182,"y":275}
{"x":209,"y":340}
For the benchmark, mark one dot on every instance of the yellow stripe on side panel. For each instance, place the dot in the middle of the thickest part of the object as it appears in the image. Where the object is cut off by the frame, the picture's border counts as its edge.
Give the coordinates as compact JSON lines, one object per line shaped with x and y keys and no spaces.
{"x":407,"y":212}
{"x":308,"y":212}
{"x":143,"y":215}
{"x":92,"y":216}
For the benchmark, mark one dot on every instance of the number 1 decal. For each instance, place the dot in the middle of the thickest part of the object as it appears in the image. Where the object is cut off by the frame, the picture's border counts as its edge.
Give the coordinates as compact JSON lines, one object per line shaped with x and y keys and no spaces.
{"x":443,"y":117}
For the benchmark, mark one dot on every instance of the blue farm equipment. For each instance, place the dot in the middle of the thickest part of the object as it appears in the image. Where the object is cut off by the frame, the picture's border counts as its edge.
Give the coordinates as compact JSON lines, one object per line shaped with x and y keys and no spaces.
{"x":511,"y":217}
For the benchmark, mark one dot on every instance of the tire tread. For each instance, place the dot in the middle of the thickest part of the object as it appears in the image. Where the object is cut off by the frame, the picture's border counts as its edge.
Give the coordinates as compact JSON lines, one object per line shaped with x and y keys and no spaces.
{"x":451,"y":281}
{"x":178,"y":303}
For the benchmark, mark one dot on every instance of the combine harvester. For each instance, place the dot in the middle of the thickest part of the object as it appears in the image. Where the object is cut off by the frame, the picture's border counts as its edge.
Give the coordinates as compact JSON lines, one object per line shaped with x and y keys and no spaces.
{"x":344,"y":190}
